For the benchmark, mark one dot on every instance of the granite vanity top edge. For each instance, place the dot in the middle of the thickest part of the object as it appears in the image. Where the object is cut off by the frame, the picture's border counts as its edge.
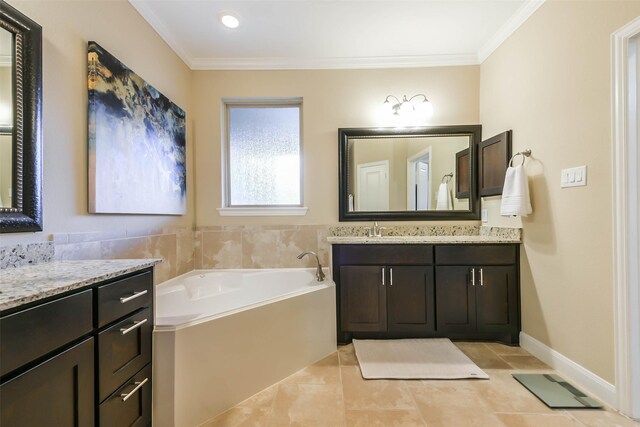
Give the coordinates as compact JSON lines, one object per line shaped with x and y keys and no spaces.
{"x":408,"y":240}
{"x":23,"y":285}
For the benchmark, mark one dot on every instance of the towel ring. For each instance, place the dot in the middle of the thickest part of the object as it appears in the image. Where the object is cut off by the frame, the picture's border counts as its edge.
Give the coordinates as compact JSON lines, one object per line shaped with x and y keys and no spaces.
{"x":524,"y":154}
{"x":445,"y":180}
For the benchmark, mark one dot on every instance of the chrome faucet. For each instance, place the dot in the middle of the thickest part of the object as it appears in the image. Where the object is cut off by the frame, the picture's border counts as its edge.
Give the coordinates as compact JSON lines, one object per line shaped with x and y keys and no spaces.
{"x":319,"y":272}
{"x":376,"y":231}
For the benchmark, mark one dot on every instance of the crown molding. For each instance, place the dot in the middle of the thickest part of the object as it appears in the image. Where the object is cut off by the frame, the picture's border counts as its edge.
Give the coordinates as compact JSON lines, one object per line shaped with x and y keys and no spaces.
{"x":508,"y":28}
{"x":332,"y":63}
{"x":156,"y":23}
{"x":269,"y":63}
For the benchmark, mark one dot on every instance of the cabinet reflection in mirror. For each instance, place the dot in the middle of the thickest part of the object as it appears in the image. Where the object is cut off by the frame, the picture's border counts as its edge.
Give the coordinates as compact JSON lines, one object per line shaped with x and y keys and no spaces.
{"x":412,"y":173}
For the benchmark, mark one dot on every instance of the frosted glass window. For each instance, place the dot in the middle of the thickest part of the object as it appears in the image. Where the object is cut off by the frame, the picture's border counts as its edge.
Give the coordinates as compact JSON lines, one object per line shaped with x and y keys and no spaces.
{"x":263,"y":155}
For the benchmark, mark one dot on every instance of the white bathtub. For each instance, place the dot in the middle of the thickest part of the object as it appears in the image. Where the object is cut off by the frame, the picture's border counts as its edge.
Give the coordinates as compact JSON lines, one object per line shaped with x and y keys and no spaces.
{"x":223,"y":335}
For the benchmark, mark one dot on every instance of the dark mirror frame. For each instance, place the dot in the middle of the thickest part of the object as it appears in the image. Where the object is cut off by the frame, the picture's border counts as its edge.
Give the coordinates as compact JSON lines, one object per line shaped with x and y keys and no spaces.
{"x":26,"y":213}
{"x":474,"y":132}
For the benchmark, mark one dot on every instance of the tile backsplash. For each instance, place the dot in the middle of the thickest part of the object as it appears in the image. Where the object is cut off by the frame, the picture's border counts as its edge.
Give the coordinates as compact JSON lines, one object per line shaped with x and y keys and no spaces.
{"x":173,"y":245}
{"x":260,"y":246}
{"x":183,"y":249}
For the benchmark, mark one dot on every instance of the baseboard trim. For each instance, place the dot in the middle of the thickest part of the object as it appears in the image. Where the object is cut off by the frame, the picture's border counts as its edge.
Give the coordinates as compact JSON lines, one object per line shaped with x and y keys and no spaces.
{"x":582,"y":377}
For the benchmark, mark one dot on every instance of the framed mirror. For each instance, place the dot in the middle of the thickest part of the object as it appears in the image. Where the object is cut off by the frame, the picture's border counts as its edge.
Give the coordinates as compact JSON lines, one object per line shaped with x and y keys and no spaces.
{"x":20,"y":122}
{"x":421,"y":173}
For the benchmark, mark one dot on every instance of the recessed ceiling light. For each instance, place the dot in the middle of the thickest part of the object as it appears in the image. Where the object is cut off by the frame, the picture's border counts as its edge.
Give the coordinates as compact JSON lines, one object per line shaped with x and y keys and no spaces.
{"x":230,"y":19}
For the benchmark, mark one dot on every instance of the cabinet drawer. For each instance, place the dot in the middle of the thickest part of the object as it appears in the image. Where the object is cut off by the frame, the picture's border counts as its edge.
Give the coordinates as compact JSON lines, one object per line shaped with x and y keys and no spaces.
{"x":58,"y":392}
{"x":135,"y":411}
{"x":39,"y":330}
{"x":125,"y":296}
{"x":476,"y":255}
{"x":123,"y":350}
{"x":384,"y":254}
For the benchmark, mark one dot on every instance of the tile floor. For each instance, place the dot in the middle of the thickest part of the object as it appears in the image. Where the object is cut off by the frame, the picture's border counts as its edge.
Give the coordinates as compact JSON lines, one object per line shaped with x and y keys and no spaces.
{"x":333,"y":393}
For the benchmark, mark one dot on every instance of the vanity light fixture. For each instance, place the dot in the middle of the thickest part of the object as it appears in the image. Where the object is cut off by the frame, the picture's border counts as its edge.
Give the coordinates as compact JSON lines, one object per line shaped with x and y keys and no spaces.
{"x":230,"y":19}
{"x":417,"y":104}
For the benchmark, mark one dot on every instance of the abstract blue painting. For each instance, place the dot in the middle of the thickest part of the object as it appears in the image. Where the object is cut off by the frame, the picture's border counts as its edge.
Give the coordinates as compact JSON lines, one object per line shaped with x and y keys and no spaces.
{"x":137,"y":142}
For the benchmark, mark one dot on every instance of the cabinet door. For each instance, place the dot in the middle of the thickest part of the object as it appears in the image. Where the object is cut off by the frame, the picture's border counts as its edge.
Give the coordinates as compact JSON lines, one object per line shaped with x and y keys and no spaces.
{"x":497,"y":300}
{"x":410,"y":301}
{"x":363,"y":301}
{"x":456,"y":302}
{"x":58,"y":392}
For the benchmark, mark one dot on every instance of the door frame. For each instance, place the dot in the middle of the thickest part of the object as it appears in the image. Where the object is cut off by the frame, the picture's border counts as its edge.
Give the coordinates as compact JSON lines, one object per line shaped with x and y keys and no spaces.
{"x":626,"y":236}
{"x":411,"y":177}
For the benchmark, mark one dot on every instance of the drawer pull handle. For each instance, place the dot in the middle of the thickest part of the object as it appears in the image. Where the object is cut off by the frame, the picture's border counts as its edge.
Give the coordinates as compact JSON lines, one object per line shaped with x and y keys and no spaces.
{"x":473,"y":276}
{"x":134,"y":296}
{"x":138,"y":384}
{"x":135,"y":325}
{"x":383,"y":276}
{"x":481,"y":278}
{"x":391,"y":277}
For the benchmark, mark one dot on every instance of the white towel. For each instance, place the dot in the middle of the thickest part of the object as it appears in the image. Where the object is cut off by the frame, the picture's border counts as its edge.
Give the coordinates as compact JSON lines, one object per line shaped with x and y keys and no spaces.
{"x":444,"y":200}
{"x":515,"y":193}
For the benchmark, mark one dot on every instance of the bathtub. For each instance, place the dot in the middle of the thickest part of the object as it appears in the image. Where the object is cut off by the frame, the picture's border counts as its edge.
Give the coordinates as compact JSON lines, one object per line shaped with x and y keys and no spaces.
{"x":223,"y":335}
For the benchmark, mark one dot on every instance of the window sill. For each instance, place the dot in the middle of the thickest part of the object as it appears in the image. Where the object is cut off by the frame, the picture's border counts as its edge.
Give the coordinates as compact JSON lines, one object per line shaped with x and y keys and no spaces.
{"x":270,"y":211}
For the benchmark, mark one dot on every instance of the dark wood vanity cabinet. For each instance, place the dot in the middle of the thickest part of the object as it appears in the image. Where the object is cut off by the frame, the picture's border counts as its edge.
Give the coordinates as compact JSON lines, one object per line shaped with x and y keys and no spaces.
{"x":80,"y":359}
{"x":467,"y":292}
{"x":395,"y":299}
{"x":384,"y":290}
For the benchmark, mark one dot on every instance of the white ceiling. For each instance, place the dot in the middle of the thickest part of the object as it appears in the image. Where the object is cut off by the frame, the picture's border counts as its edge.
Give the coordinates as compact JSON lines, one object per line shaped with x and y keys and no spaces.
{"x":305,"y":34}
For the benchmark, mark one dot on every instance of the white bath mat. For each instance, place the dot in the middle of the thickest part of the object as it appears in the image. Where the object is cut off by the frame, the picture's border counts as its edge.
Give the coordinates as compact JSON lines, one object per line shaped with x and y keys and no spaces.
{"x":433,"y":358}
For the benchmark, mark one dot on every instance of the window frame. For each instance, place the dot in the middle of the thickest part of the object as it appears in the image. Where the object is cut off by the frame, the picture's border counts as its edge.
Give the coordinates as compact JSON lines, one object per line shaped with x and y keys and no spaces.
{"x":227,"y":208}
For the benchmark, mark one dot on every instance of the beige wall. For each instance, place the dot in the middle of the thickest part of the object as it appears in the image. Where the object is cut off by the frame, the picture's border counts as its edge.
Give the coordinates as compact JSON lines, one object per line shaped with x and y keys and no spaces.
{"x":331,"y":99}
{"x":115,"y":25}
{"x":550,"y":83}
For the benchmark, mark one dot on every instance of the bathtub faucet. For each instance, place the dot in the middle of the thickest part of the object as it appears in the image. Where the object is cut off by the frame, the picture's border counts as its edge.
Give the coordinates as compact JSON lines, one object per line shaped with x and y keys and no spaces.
{"x":319,"y":272}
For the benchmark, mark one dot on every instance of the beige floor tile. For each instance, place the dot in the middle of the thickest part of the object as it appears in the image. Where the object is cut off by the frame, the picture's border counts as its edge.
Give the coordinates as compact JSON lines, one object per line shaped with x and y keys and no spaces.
{"x":507,"y":350}
{"x":326,"y":371}
{"x":308,"y":405}
{"x":525,"y":362}
{"x":602,"y":418}
{"x":373,"y":394}
{"x":482,"y":356}
{"x":402,"y":418}
{"x":453,"y":406}
{"x":538,"y":420}
{"x":241,"y":417}
{"x":502,"y":393}
{"x":264,"y":399}
{"x":470,"y":384}
{"x":347,"y":355}
{"x":319,"y":394}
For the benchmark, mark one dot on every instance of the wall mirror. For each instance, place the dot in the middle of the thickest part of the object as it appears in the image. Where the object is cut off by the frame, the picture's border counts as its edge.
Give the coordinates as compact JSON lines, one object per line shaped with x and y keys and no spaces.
{"x":421,"y":173}
{"x":20,"y":122}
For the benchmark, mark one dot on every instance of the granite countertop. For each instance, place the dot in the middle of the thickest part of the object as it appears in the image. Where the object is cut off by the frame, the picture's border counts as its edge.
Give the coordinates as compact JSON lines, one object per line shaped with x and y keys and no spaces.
{"x":412,"y":234}
{"x":26,"y":284}
{"x":419,"y":239}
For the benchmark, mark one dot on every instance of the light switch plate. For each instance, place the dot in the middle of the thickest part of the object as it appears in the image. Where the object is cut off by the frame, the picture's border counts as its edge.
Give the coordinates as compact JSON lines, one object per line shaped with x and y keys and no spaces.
{"x":573,"y":177}
{"x":485,"y":215}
